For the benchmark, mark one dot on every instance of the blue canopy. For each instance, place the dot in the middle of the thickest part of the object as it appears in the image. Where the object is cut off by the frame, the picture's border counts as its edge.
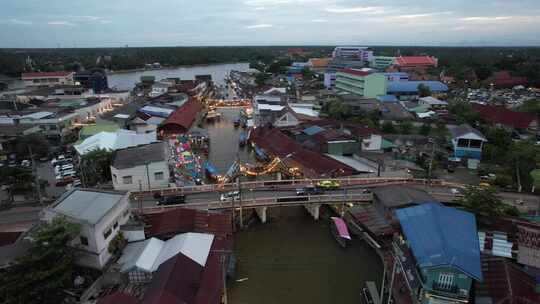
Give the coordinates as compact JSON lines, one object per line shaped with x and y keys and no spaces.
{"x":442,"y":236}
{"x":412,"y":86}
{"x":312,"y":130}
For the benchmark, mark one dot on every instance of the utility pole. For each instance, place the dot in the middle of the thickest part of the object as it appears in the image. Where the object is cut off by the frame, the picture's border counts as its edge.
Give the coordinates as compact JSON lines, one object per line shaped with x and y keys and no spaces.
{"x":148,"y":176}
{"x":391,"y":282}
{"x":431,"y":159}
{"x":36,"y":177}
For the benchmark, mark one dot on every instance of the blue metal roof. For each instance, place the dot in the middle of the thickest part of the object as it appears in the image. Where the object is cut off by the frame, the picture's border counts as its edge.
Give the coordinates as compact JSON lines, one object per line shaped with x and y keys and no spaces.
{"x":387,"y":98}
{"x":312,"y":130}
{"x":442,"y":236}
{"x":412,"y":86}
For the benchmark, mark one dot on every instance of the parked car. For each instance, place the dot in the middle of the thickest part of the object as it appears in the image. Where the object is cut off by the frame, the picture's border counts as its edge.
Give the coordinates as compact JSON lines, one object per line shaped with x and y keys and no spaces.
{"x":309,"y":190}
{"x":64,"y":181}
{"x":328,"y":184}
{"x":172,"y":200}
{"x":230,"y":196}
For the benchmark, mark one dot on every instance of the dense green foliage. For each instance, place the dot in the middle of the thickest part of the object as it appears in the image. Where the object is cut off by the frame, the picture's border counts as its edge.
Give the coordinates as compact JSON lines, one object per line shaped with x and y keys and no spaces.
{"x":96,"y":167}
{"x":484,"y":202}
{"x":46,"y":269}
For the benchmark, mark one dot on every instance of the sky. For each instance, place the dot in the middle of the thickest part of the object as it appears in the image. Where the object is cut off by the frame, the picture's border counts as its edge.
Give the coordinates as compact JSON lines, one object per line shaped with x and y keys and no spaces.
{"x":116,"y":23}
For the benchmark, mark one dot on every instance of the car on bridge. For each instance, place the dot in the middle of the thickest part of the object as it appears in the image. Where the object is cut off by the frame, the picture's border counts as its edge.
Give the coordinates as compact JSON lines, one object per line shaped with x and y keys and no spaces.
{"x":328,"y":184}
{"x":230,"y":196}
{"x":171,"y":200}
{"x":309,"y":190}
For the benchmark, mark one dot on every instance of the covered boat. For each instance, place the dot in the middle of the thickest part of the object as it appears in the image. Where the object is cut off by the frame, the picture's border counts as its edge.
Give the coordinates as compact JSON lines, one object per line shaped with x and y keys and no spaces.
{"x":210,"y":170}
{"x":340,"y":231}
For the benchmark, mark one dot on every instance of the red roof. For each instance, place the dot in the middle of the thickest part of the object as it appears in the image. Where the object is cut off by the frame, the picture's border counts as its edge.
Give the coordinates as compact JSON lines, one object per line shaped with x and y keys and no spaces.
{"x":180,"y":220}
{"x":416,"y":60}
{"x":356,"y":72}
{"x":504,"y":116}
{"x":181,"y":120}
{"x":363,"y":131}
{"x":292,"y":153}
{"x":503,"y":79}
{"x":45,"y":74}
{"x":118,"y":298}
{"x":181,"y":280}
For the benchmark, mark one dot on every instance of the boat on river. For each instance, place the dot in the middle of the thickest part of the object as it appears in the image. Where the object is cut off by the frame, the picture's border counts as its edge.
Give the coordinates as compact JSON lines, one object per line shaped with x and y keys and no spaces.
{"x":213,"y":115}
{"x":371,"y":296}
{"x":339,"y":231}
{"x":243,"y":139}
{"x":210,"y":170}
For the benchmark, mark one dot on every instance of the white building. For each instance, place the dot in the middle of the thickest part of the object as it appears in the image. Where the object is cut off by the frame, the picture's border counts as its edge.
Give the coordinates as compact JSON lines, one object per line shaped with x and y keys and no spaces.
{"x":142,"y":167}
{"x":159,"y":88}
{"x":353,"y":52}
{"x":99,"y":214}
{"x":139,"y":260}
{"x":114,"y":141}
{"x":46,"y":79}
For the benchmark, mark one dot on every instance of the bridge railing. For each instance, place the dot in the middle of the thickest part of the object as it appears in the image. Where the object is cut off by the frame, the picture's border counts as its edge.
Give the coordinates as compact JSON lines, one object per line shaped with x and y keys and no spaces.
{"x":288,"y":184}
{"x":267,"y":202}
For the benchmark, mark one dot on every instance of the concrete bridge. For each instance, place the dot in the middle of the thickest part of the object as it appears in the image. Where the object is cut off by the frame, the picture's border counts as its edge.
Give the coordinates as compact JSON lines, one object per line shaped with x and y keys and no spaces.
{"x":312,"y":203}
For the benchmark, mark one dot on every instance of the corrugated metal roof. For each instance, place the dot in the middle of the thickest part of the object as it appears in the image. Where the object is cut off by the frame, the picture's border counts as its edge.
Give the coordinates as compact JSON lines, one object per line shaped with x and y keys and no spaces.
{"x":412,"y":86}
{"x":442,"y":236}
{"x":312,"y":130}
{"x":87,"y":205}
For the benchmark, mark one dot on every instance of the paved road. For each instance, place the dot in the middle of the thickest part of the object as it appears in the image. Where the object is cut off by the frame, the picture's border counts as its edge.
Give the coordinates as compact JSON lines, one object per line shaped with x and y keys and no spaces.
{"x":19,"y":218}
{"x":247,"y":195}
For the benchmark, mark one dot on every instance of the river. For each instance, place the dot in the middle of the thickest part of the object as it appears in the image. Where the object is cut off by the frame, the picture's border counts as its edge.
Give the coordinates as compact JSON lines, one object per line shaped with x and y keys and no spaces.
{"x":224,"y":137}
{"x":127,"y":80}
{"x":294,"y":259}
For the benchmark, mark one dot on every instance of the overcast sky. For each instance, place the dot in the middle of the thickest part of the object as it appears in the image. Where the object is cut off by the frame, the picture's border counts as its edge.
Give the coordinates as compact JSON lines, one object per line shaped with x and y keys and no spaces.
{"x":113,"y":23}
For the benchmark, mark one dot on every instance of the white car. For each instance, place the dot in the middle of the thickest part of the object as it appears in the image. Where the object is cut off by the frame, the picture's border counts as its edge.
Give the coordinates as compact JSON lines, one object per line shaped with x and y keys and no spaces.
{"x":230,"y":196}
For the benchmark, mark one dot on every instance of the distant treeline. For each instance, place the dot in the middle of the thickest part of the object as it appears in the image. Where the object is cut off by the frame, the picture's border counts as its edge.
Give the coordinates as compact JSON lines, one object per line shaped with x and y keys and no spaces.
{"x":457,"y":61}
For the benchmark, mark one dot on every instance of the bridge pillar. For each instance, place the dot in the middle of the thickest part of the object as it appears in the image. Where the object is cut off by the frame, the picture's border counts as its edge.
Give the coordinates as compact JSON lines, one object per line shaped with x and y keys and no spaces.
{"x":278,"y":176}
{"x":313,"y":209}
{"x":261,"y":212}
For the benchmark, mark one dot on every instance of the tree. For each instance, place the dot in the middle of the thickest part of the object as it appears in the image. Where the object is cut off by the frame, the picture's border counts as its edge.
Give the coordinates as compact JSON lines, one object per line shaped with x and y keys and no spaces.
{"x":388,"y":128}
{"x":484,"y":202}
{"x":39,"y":144}
{"x":336,"y":109}
{"x":46,"y":269}
{"x":307,"y":74}
{"x":425,"y":129}
{"x":406,"y":127}
{"x":96,"y":167}
{"x":261,"y":78}
{"x":423,"y":90}
{"x":483,"y":72}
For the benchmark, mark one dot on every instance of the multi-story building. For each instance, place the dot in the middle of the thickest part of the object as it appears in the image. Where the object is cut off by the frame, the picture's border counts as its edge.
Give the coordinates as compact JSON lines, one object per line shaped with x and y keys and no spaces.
{"x":467,"y":142}
{"x":362,"y":83}
{"x":99,"y":213}
{"x":382,"y":62}
{"x":440,"y":253}
{"x":141,"y":167}
{"x":353,"y":52}
{"x":46,"y":79}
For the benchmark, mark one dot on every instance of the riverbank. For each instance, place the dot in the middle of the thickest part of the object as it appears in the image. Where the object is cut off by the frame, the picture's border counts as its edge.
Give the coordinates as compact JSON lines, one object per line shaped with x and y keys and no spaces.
{"x":294,"y":259}
{"x":164,"y":68}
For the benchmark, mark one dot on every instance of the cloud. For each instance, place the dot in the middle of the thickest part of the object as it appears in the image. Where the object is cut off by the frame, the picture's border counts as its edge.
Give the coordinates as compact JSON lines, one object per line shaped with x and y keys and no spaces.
{"x":260,"y":3}
{"x":486,"y":18}
{"x":257,"y":26}
{"x":319,"y":20}
{"x":104,"y":21}
{"x":259,"y":8}
{"x":356,"y":9}
{"x":20,"y":22}
{"x":61,"y":23}
{"x":414,"y":16}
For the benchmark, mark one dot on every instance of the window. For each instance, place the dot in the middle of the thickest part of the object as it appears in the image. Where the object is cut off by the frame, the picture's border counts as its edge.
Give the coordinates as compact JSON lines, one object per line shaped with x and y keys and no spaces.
{"x":446,"y":281}
{"x":53,"y":127}
{"x":107,"y":233}
{"x":463,"y":143}
{"x":115,"y":225}
{"x":128,"y":179}
{"x":84,"y":241}
{"x":476,"y":144}
{"x":158,"y":175}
